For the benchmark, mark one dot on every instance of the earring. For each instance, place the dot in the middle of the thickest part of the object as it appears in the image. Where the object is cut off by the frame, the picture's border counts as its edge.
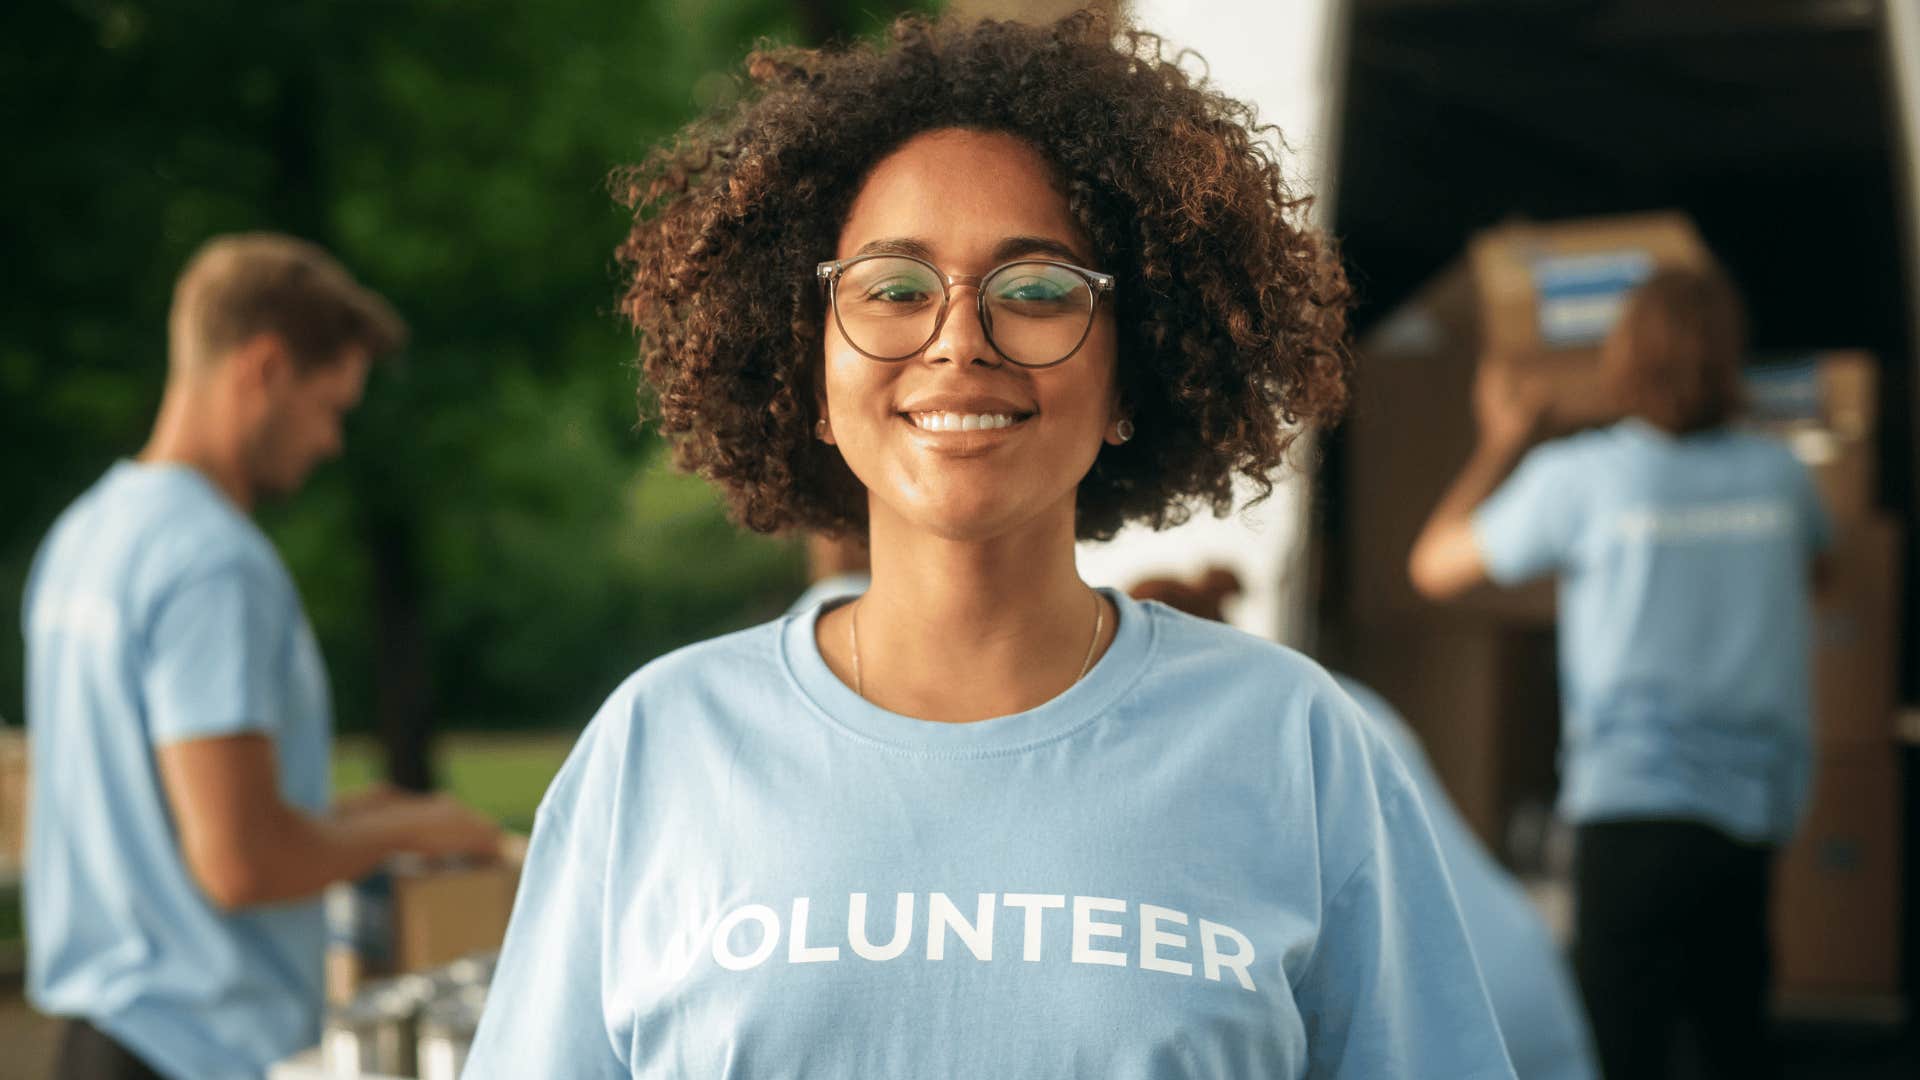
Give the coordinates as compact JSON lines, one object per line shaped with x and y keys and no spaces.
{"x":821,"y":431}
{"x":1123,"y":430}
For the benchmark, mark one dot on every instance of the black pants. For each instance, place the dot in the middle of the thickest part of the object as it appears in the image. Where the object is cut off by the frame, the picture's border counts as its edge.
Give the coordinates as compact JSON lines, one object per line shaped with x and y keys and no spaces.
{"x":1671,"y":932}
{"x":86,"y":1053}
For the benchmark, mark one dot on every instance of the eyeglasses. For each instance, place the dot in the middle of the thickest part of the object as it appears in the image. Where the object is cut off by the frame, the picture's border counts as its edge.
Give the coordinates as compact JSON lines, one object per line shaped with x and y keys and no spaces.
{"x":1036,"y":312}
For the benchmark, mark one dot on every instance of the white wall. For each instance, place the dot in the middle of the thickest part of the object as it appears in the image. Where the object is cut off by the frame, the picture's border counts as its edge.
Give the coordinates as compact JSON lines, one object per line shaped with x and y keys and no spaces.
{"x":1284,"y":56}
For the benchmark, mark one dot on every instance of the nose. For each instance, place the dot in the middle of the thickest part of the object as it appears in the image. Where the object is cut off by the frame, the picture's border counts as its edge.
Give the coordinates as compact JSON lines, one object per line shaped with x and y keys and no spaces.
{"x":960,"y":335}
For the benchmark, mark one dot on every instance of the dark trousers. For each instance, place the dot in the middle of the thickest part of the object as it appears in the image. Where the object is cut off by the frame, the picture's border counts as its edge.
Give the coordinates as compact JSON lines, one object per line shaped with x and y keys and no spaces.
{"x":1670,"y":933}
{"x":86,"y":1053}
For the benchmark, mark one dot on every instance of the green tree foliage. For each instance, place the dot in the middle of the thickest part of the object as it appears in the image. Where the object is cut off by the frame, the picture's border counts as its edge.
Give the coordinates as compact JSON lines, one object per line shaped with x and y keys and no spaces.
{"x":497,"y":495}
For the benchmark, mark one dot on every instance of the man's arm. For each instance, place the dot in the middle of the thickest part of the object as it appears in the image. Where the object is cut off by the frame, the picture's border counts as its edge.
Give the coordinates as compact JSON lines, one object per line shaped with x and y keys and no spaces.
{"x":245,"y":845}
{"x":1446,"y":560}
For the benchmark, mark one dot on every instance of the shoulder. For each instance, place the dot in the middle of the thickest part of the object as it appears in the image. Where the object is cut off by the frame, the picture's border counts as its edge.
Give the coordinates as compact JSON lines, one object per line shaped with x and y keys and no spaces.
{"x":740,"y":662}
{"x":138,"y":537}
{"x":709,"y":676}
{"x":1584,"y":448}
{"x":1190,"y":646}
{"x":1771,"y":451}
{"x":186,"y":532}
{"x":1262,"y":691}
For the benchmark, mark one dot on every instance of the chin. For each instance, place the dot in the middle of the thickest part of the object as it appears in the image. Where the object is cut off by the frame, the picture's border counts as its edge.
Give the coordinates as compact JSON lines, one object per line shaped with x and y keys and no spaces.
{"x":973,"y":521}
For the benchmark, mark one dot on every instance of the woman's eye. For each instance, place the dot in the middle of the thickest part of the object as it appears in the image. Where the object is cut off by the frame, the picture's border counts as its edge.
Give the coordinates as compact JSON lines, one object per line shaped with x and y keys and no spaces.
{"x":898,"y":292}
{"x":1032,"y":290}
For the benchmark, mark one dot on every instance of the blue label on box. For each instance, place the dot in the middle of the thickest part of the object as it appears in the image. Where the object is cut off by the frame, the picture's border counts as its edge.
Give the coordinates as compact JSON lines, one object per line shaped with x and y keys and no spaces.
{"x":1784,"y":392}
{"x":1580,"y":295}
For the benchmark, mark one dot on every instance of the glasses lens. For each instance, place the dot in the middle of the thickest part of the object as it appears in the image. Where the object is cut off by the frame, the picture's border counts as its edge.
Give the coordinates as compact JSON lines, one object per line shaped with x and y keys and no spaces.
{"x":1037,"y":313}
{"x":888,"y":305}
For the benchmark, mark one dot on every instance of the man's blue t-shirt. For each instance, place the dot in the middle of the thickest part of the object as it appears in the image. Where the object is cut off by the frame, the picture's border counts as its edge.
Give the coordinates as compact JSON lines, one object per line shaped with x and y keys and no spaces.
{"x":1684,"y":619}
{"x":1532,"y":990}
{"x":1197,"y":862}
{"x":158,"y":613}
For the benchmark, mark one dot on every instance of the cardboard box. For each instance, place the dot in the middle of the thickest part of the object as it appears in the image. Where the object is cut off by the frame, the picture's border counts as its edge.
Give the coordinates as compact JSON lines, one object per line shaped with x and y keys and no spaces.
{"x":1410,"y":431}
{"x":441,"y":915}
{"x":1825,"y":406}
{"x":14,"y":798}
{"x":1538,"y":296}
{"x":416,"y":916}
{"x":1856,"y":630}
{"x":1836,"y":917}
{"x":1559,"y":286}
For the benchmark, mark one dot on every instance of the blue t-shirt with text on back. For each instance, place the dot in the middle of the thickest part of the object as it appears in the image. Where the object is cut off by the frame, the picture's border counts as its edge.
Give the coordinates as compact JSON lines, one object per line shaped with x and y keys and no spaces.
{"x":157,"y":613}
{"x":1196,"y":862}
{"x":1684,"y":619}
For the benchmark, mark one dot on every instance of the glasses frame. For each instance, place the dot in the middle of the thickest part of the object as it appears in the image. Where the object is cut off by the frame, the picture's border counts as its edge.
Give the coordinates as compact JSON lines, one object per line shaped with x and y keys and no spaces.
{"x":828,"y":274}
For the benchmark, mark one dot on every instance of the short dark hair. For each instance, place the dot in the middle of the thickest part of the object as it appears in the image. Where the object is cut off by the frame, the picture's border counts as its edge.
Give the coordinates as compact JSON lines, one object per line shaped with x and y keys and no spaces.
{"x":238,"y":286}
{"x":1231,"y":314}
{"x":1682,"y":337}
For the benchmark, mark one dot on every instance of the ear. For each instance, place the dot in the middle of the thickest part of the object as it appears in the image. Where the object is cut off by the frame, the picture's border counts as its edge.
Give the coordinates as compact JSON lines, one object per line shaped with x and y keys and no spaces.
{"x":823,"y":426}
{"x":262,"y":362}
{"x":1118,"y":414}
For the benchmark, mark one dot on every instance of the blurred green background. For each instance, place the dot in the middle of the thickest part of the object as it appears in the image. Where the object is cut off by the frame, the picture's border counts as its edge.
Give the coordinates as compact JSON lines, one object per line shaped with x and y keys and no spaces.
{"x":502,"y":543}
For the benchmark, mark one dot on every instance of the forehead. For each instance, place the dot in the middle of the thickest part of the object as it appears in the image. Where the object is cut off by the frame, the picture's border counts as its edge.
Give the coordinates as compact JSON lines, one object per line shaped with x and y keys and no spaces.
{"x":962,"y":192}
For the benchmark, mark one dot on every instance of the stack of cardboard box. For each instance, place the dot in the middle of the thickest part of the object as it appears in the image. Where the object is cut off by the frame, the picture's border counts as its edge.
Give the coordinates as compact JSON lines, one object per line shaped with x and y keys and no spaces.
{"x":1837,"y":902}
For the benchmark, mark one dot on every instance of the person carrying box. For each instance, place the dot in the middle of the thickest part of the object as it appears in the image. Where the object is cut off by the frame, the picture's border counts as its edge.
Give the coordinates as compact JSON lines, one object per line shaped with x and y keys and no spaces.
{"x":1683,"y":548}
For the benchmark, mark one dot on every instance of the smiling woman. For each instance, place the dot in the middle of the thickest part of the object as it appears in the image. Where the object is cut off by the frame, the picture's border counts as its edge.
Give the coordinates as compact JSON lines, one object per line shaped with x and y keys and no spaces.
{"x":971,"y":295}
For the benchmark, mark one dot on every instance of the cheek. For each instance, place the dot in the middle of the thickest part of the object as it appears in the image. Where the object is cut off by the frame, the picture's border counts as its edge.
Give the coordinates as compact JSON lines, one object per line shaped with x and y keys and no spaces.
{"x":856,"y":388}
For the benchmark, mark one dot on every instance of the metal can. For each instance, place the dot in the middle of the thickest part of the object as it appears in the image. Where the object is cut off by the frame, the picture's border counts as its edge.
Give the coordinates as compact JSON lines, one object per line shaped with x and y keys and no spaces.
{"x":446,"y":1033}
{"x":473,"y":969}
{"x":364,"y":1036}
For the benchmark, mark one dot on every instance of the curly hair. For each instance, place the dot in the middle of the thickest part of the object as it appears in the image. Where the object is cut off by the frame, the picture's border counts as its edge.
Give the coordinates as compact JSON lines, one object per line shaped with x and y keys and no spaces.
{"x":1230,"y":313}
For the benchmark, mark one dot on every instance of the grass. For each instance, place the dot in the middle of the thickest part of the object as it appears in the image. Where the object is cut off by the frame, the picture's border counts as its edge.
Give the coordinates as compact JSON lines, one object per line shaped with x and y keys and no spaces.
{"x":502,"y":776}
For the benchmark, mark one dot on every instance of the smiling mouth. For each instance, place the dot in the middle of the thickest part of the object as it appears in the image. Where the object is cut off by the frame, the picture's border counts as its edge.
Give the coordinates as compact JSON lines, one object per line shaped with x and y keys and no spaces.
{"x":953,"y":421}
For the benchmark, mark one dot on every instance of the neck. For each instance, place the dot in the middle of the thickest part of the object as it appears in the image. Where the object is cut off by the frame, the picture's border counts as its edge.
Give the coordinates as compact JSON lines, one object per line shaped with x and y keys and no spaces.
{"x":189,"y":432}
{"x":970,"y":629}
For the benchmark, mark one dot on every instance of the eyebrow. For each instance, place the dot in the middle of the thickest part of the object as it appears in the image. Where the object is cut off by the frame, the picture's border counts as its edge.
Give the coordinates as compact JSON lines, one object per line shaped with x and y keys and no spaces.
{"x":1011,"y":247}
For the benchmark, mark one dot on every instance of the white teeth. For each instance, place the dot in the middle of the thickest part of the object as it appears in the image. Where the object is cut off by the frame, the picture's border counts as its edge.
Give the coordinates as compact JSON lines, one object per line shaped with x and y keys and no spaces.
{"x":946,"y":421}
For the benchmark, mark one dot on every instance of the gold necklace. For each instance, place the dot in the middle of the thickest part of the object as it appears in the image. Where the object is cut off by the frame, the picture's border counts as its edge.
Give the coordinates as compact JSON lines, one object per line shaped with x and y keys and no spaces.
{"x":853,"y":633}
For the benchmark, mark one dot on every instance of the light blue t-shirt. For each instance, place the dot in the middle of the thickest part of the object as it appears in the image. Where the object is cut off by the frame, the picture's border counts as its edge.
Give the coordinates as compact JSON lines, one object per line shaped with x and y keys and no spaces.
{"x":158,"y":613}
{"x":1196,"y":862}
{"x":1684,"y":619}
{"x":1527,"y":979}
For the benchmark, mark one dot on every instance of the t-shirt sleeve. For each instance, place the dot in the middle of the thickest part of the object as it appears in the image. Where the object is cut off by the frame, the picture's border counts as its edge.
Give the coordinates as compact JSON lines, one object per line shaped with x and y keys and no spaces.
{"x":1393,"y":988}
{"x":546,"y":1013}
{"x":1526,"y":528}
{"x":217,"y":649}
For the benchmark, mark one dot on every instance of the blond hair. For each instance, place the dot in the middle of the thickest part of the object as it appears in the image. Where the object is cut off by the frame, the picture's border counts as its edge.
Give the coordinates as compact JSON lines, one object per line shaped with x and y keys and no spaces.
{"x":239,"y":286}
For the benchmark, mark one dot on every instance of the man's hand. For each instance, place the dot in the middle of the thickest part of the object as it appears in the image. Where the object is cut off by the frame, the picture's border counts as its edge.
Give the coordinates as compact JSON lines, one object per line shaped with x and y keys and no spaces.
{"x":442,"y":826}
{"x":372,"y":797}
{"x":1509,"y":406}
